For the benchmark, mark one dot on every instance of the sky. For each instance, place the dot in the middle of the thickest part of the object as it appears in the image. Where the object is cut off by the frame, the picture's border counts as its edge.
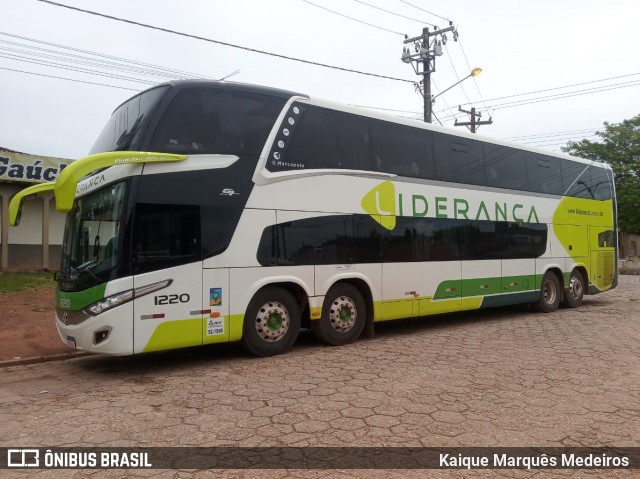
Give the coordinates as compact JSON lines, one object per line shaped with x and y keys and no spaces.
{"x":522,"y":46}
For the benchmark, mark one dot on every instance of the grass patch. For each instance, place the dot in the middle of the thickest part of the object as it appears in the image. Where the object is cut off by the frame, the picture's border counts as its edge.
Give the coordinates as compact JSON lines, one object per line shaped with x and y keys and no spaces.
{"x":12,"y":282}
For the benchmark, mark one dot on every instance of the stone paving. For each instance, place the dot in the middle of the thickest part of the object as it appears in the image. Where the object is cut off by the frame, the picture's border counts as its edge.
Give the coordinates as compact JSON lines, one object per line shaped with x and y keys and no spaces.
{"x":504,"y":377}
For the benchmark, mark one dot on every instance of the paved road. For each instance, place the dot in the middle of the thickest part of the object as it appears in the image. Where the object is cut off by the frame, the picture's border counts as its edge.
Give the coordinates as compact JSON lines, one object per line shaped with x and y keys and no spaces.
{"x":503,"y":377}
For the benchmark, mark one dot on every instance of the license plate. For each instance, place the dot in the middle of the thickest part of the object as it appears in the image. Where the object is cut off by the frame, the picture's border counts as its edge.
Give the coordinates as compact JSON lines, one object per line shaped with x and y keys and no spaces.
{"x":71,"y":341}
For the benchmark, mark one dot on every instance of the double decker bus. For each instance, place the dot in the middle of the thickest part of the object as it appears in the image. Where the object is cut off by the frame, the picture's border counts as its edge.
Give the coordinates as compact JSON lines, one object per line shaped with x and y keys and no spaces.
{"x":211,"y":212}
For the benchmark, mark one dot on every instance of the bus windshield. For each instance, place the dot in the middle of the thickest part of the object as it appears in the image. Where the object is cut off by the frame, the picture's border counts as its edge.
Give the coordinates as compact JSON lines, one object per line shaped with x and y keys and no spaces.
{"x":192,"y":120}
{"x":91,"y":238}
{"x":216,"y":121}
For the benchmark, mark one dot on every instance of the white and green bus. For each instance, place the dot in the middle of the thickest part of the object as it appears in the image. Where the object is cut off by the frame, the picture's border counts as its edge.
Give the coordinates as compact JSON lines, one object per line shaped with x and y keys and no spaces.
{"x":211,"y":212}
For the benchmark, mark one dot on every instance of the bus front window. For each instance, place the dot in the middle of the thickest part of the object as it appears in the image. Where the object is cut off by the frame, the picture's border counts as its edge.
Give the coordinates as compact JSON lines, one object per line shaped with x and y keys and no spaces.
{"x":91,"y":240}
{"x":214,"y":121}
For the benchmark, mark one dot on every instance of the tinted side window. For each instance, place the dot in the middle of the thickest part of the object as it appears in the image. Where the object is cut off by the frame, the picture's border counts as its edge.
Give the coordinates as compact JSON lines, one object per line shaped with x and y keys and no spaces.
{"x":126,"y":124}
{"x":219,"y":213}
{"x":312,"y":144}
{"x":323,"y":240}
{"x":268,"y":248}
{"x":402,"y":150}
{"x":324,"y":139}
{"x":601,"y":181}
{"x":593,"y":184}
{"x":606,"y":239}
{"x":571,"y":170}
{"x":165,"y":236}
{"x":353,"y":139}
{"x":367,"y":239}
{"x":398,"y":245}
{"x":459,"y":160}
{"x":438,"y":239}
{"x":581,"y":188}
{"x":527,"y":240}
{"x":544,"y":174}
{"x":205,"y":120}
{"x":505,"y":167}
{"x":486,"y":240}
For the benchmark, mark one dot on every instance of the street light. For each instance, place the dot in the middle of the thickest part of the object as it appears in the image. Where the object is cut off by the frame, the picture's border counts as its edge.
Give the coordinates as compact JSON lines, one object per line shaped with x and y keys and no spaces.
{"x":474,"y":73}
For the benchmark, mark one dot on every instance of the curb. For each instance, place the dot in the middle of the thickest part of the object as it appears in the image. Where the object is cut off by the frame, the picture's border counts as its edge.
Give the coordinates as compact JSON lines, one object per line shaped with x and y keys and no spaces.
{"x":43,"y":359}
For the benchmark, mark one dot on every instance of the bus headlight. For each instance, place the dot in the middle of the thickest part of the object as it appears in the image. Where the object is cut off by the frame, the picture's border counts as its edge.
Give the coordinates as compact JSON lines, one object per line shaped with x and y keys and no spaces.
{"x":124,"y":297}
{"x":110,"y":302}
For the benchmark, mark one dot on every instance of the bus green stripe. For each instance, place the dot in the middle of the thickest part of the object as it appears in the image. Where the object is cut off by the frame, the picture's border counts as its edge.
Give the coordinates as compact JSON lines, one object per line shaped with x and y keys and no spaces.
{"x":80,"y":299}
{"x":487,"y":286}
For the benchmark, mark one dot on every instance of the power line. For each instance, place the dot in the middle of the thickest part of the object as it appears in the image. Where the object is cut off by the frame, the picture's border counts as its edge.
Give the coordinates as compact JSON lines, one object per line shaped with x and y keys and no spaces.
{"x":564,"y":86}
{"x":219,"y":42}
{"x":423,"y":10}
{"x":455,"y":71}
{"x":68,"y":79}
{"x":394,"y":13}
{"x":475,"y":82}
{"x":75,"y":69}
{"x":51,"y":55}
{"x":351,"y":18}
{"x":555,"y":133}
{"x":443,"y":100}
{"x":558,"y":96}
{"x":97,"y":54}
{"x":542,"y":141}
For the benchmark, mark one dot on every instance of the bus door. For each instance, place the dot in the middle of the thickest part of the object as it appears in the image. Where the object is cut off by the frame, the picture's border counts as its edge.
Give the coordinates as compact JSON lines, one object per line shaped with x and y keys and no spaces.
{"x":602,"y":245}
{"x":170,"y":317}
{"x":167,"y":258}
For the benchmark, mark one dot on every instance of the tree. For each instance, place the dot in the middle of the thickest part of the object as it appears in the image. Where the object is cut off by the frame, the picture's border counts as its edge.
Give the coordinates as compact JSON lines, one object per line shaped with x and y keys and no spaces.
{"x":619,"y":147}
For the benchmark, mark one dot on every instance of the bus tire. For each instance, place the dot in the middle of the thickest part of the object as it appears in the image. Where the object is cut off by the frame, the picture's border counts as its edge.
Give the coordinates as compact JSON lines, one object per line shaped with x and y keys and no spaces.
{"x":272,"y":322}
{"x":550,"y":294}
{"x":574,"y":293}
{"x":344,"y":314}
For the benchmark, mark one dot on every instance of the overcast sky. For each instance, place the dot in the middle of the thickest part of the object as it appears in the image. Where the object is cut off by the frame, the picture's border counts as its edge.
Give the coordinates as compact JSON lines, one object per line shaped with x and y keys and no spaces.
{"x":522,"y":46}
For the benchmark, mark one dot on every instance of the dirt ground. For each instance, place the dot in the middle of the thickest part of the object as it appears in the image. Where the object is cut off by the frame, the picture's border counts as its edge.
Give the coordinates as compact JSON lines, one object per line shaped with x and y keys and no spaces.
{"x":27,"y":325}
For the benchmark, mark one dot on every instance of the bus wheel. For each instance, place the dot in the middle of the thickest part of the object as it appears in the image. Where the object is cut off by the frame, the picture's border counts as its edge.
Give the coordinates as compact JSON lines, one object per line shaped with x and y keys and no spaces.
{"x":344,"y":313}
{"x":272,"y":322}
{"x":549,"y":294}
{"x":575,"y":291}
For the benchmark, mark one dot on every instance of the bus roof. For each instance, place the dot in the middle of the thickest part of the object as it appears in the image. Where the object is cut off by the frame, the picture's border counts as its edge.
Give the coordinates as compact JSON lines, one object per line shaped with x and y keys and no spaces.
{"x":287,"y":94}
{"x":226,"y":85}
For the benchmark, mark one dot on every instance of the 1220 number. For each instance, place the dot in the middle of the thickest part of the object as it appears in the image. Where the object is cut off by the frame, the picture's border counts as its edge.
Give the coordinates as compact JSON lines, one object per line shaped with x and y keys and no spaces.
{"x":171,"y":299}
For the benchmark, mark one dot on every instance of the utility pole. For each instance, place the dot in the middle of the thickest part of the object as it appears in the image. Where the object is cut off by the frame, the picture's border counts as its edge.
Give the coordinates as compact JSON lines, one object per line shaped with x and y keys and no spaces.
{"x":474,"y":123}
{"x":427,"y":47}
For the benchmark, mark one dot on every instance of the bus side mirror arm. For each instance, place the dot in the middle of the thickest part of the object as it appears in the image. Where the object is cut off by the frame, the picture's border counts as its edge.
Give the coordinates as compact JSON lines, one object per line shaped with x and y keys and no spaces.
{"x":16,"y":203}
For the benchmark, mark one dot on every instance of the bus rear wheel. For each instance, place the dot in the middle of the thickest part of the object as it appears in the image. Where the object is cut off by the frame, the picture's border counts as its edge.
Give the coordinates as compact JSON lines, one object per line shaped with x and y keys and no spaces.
{"x":550,"y":293}
{"x":344,"y":313}
{"x":272,"y":322}
{"x":574,"y":293}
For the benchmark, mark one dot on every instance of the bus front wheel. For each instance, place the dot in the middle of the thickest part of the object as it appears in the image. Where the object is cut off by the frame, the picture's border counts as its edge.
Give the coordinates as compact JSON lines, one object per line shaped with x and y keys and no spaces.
{"x":344,"y":314}
{"x":272,"y":322}
{"x":550,"y":294}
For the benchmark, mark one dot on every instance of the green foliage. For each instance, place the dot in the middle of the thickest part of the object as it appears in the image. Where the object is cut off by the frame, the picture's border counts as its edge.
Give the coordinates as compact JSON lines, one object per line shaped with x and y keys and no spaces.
{"x":619,"y":147}
{"x":12,"y":282}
